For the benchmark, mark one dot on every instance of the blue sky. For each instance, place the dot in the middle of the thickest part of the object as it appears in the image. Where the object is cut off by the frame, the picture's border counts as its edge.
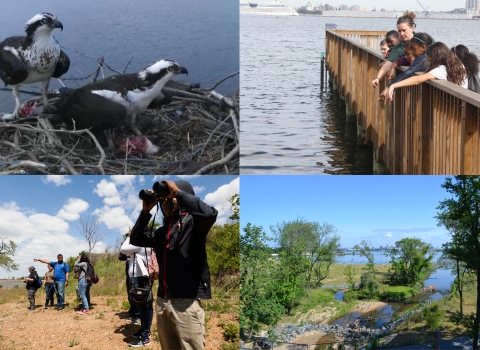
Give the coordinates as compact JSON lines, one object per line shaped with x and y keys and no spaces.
{"x":40,"y":213}
{"x":412,"y":5}
{"x":381,"y":209}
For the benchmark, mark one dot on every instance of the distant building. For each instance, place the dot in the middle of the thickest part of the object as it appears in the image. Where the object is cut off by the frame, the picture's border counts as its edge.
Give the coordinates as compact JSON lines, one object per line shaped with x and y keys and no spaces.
{"x":343,"y":7}
{"x":356,"y":8}
{"x":310,"y":6}
{"x":459,"y":11}
{"x":471,"y":4}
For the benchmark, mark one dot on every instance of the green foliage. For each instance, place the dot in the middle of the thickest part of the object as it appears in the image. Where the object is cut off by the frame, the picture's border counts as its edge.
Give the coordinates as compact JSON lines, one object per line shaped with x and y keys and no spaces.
{"x":369,"y":286}
{"x":73,"y":342}
{"x":231,"y":332}
{"x":350,"y":295}
{"x":223,"y":244}
{"x":433,"y":316}
{"x":229,"y":346}
{"x":7,"y":250}
{"x":465,"y":320}
{"x":256,"y":277}
{"x":368,"y":281}
{"x":397,"y":293}
{"x":125,"y":305}
{"x":311,"y":245}
{"x":411,"y":261}
{"x":349,"y":273}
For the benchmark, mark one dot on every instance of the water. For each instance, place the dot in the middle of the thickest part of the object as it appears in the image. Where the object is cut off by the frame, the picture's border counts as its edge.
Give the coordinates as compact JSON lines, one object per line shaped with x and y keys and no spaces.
{"x":441,"y":279}
{"x":379,"y":258}
{"x":288,"y":124}
{"x":202,"y":35}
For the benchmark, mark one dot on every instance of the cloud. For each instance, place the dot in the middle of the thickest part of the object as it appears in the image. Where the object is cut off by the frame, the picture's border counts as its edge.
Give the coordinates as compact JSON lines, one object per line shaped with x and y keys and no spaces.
{"x":388,"y":235}
{"x":199,"y":189}
{"x":403,"y":231}
{"x":58,"y":180}
{"x":123,"y":179}
{"x":37,"y":235}
{"x":219,"y":199}
{"x":71,"y":211}
{"x":109,"y":191}
{"x":114,"y":218}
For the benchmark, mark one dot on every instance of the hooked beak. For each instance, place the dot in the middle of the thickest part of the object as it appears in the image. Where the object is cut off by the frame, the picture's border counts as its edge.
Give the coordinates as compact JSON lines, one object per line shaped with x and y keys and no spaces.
{"x":182,"y":70}
{"x":58,"y":24}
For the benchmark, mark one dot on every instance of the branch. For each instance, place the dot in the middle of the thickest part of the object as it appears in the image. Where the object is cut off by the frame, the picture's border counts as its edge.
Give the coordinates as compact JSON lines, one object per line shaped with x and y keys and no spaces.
{"x":225,"y":160}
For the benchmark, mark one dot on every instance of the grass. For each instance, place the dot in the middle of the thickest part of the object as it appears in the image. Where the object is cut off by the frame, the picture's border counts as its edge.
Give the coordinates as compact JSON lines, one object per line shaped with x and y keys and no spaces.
{"x":336,"y":275}
{"x":73,"y":342}
{"x":417,"y":324}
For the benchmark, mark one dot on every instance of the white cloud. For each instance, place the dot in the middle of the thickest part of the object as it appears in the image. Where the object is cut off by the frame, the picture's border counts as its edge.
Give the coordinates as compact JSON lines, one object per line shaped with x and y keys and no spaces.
{"x":114,"y":218}
{"x":71,"y":211}
{"x":109,"y":191}
{"x":388,"y":234}
{"x":37,"y":236}
{"x":123,"y":179}
{"x":199,"y":189}
{"x":219,"y":199}
{"x":58,"y":180}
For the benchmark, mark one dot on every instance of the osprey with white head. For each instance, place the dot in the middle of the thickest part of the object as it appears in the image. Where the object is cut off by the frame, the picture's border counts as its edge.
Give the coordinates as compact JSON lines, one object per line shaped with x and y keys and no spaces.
{"x":33,"y":58}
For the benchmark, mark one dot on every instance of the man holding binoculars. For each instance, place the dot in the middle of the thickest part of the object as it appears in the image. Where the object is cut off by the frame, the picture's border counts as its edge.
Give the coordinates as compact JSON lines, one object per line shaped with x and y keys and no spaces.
{"x":180,"y":248}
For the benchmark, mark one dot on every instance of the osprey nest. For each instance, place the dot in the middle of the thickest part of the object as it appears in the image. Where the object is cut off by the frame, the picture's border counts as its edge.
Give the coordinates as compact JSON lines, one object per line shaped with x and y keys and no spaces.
{"x":195,"y":132}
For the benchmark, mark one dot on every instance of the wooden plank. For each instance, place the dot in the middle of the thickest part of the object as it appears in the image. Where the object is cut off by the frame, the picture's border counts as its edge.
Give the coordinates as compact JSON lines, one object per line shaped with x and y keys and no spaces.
{"x":470,"y":117}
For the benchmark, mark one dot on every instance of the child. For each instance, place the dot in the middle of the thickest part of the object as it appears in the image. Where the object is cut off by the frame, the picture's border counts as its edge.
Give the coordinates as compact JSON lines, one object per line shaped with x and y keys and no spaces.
{"x":419,"y":43}
{"x":405,"y":60}
{"x":470,"y":62}
{"x":392,"y":38}
{"x":384,"y":48}
{"x":441,"y":64}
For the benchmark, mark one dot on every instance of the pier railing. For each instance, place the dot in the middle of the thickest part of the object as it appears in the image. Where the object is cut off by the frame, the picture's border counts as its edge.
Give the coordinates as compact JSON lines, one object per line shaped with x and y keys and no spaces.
{"x":431,"y":128}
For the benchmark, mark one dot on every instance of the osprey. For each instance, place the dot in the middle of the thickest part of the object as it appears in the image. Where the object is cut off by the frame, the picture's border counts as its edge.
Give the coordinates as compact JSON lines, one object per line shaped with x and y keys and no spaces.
{"x":113,"y":101}
{"x":33,"y":58}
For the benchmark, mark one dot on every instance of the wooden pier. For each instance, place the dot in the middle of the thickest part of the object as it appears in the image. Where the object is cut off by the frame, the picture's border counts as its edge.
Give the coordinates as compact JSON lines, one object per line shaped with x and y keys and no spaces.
{"x":431,"y":128}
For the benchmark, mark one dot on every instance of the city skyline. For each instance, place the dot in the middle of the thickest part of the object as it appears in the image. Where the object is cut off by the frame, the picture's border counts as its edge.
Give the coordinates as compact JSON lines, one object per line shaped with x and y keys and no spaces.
{"x":389,"y":5}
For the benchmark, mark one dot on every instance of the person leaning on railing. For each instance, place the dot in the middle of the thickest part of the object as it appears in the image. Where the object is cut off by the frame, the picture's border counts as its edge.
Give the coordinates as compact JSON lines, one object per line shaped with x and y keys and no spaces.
{"x":405,"y":27}
{"x":441,"y":64}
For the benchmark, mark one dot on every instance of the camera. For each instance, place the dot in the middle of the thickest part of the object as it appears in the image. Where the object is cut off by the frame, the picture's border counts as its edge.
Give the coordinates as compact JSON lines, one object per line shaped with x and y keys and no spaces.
{"x":159,"y":189}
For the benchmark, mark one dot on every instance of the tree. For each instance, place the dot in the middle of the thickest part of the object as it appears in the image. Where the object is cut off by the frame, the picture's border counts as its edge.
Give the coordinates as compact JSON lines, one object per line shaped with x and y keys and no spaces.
{"x":411,"y":261}
{"x":368,"y":280}
{"x":256,"y":276}
{"x":349,"y":273}
{"x":91,"y":230}
{"x":463,"y":208}
{"x":223,"y":245}
{"x":308,"y":248}
{"x":7,"y":250}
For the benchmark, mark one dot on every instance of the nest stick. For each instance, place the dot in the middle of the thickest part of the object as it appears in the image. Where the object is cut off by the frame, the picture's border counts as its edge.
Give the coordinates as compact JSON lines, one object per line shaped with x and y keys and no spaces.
{"x":222,"y":161}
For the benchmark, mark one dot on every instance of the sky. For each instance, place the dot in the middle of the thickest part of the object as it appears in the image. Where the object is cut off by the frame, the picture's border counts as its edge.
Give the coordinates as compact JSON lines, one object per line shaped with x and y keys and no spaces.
{"x":390,"y":5}
{"x":379,"y":209}
{"x":41,"y":213}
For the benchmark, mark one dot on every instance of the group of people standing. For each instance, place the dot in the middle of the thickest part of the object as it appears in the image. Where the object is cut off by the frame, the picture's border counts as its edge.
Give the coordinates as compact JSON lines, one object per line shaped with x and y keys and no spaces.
{"x":55,"y":281}
{"x":421,"y":53}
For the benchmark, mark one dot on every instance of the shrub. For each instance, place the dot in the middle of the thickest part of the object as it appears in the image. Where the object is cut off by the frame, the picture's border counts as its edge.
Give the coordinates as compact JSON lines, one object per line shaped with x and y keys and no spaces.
{"x":397,"y":293}
{"x":433,"y":316}
{"x":231,"y":332}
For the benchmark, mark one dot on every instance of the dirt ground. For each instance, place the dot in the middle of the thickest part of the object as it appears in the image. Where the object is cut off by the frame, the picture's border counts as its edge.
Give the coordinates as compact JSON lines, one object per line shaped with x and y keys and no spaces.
{"x":367,"y":306}
{"x":104,"y":328}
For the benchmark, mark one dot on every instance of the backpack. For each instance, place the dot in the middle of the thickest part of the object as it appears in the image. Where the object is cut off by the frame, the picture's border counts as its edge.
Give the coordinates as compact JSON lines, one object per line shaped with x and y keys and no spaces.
{"x":39,"y":281}
{"x":153,"y":269}
{"x":474,"y":84}
{"x":92,"y":276}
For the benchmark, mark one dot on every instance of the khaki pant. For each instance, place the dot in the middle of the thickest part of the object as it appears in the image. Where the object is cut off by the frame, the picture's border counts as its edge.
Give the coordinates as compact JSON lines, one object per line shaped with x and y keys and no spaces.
{"x":180,"y":324}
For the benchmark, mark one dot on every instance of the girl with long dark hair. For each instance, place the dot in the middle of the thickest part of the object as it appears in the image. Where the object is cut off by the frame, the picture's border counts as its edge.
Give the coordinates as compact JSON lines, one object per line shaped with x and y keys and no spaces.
{"x":441,"y":64}
{"x":470,"y":61}
{"x":83,"y":285}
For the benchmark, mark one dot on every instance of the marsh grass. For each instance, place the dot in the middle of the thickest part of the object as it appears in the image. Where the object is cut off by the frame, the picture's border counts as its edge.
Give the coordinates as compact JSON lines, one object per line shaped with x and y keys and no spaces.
{"x":336,"y":275}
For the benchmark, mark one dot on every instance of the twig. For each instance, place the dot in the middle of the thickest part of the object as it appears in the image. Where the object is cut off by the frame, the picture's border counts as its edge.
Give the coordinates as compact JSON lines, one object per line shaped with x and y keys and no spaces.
{"x":222,"y":80}
{"x":127,"y":65}
{"x":222,"y":161}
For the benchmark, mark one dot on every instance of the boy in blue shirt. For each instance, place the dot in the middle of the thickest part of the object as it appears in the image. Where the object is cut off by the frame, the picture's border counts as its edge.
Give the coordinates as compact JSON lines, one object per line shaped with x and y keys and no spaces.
{"x":60,"y":278}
